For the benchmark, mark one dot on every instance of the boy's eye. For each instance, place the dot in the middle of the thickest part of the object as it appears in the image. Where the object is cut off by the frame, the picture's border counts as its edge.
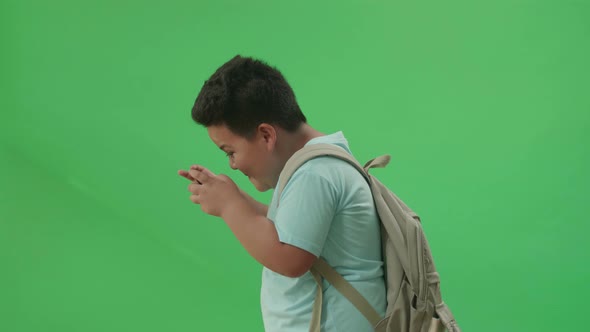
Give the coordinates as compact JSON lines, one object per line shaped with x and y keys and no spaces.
{"x":229,"y":154}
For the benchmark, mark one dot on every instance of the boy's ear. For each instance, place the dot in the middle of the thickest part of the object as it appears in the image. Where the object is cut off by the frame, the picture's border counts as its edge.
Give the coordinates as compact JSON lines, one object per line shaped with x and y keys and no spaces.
{"x":268,"y":134}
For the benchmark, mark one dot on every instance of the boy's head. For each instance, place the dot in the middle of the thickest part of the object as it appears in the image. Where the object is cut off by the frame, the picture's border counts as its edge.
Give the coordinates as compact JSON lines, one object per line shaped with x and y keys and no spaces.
{"x":246,"y":106}
{"x":244,"y":93}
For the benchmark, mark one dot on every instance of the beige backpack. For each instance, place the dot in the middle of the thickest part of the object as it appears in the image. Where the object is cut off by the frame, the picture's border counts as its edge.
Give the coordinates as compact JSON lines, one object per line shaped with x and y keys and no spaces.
{"x":414,"y":301}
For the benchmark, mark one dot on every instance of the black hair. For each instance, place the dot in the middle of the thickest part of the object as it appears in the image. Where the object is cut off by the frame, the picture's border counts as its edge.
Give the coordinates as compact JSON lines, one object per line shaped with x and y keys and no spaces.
{"x":245,"y":92}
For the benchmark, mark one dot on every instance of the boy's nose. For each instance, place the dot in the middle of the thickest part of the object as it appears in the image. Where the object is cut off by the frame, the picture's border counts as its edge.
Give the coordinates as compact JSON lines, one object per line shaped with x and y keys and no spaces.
{"x":232,"y":165}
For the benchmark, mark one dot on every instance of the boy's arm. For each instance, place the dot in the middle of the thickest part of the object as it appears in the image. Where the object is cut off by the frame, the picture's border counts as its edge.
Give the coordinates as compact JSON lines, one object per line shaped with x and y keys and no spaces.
{"x":247,"y":219}
{"x":259,"y":207}
{"x":259,"y":237}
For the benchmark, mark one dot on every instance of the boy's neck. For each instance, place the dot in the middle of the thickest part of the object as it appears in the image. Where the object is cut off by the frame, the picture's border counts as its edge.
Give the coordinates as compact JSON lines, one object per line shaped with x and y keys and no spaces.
{"x":293,"y":142}
{"x":302,"y":136}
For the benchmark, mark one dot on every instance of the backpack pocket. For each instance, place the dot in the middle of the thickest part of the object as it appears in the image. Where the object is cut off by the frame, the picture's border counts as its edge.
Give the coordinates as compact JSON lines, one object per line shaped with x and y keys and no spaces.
{"x":436,"y":325}
{"x":398,"y":316}
{"x":404,"y":317}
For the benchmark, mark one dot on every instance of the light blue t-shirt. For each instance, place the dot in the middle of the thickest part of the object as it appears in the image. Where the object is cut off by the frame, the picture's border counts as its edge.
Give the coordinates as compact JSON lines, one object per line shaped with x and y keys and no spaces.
{"x":326,"y":209}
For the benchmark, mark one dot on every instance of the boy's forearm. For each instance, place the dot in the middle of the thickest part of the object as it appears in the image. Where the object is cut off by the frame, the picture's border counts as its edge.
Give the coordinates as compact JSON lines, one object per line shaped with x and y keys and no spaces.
{"x":257,"y":235}
{"x":259,"y":207}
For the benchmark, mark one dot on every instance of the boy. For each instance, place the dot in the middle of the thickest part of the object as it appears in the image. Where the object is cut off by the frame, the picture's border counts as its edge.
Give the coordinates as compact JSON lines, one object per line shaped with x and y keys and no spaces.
{"x":326,"y":208}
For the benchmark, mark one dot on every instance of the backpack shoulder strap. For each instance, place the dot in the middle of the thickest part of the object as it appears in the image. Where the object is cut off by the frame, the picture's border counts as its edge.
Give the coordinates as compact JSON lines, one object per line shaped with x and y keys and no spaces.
{"x":348,"y":291}
{"x":322,"y":149}
{"x":316,"y":314}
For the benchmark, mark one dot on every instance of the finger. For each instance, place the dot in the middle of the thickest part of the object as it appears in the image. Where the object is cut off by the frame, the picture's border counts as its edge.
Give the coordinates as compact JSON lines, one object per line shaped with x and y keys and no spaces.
{"x":195,"y":199}
{"x":203,"y":169}
{"x":194,"y":188}
{"x":199,"y":176}
{"x":185,"y":175}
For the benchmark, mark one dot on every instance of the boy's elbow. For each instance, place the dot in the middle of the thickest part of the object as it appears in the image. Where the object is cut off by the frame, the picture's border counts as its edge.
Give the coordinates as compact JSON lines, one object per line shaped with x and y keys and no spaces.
{"x":295,"y":272}
{"x":294,"y":262}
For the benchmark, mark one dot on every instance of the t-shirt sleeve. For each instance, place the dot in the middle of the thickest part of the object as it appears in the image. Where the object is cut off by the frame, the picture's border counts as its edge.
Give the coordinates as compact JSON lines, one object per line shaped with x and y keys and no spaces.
{"x":306,"y":209}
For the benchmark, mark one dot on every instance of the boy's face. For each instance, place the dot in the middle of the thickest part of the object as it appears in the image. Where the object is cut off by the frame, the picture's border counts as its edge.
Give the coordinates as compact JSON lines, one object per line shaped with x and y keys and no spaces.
{"x":253,"y":157}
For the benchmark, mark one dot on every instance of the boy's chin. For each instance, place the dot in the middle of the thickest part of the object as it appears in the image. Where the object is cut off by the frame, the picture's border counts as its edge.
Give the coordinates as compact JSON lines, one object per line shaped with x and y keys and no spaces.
{"x":259,"y":186}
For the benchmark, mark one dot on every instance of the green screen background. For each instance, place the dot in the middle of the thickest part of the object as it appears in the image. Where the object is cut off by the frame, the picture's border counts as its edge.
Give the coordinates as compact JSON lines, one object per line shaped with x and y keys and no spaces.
{"x":483,"y":105}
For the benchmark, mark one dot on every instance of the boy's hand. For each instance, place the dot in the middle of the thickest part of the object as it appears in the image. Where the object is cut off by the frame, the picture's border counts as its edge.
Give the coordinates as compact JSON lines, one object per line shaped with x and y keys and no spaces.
{"x":213,"y":192}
